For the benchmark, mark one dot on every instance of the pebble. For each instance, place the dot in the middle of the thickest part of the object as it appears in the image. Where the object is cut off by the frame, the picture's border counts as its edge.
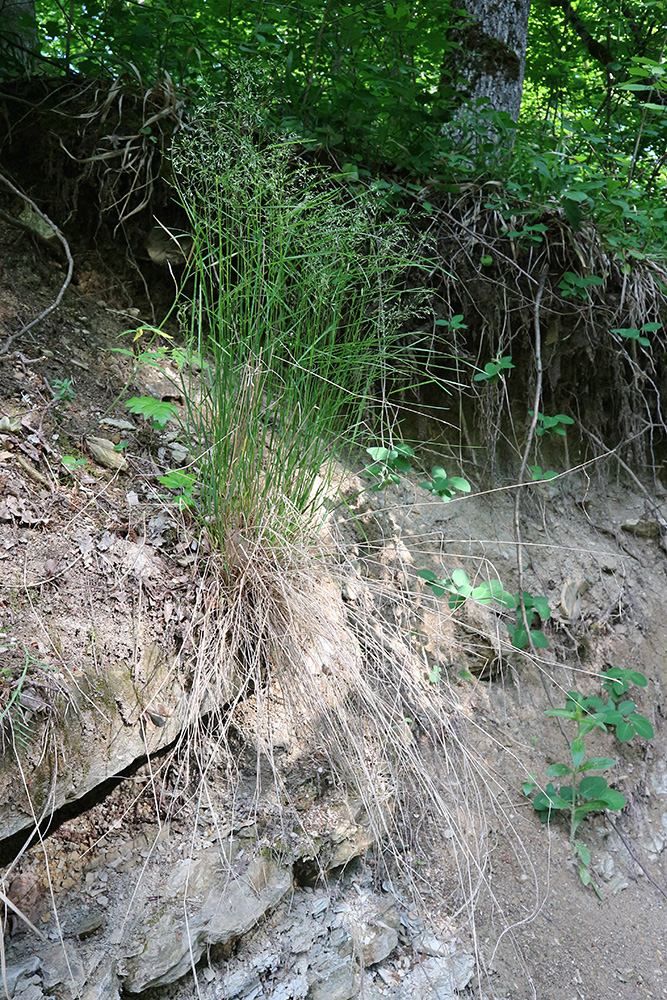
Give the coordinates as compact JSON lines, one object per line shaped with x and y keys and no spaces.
{"x":89,"y":925}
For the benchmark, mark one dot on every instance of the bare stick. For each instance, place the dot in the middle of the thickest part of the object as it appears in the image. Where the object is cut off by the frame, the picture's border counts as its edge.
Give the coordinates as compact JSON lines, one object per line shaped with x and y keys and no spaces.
{"x":70,"y":265}
{"x":529,"y":442}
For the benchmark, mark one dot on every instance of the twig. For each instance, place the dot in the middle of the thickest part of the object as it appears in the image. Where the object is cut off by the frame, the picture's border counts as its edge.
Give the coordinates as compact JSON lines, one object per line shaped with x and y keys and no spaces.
{"x":522,"y":470}
{"x":624,"y":465}
{"x":38,"y":477}
{"x":70,"y":265}
{"x":529,"y":442}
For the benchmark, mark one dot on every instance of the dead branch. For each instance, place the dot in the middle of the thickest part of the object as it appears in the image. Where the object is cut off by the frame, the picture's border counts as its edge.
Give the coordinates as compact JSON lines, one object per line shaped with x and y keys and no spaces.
{"x":70,"y":265}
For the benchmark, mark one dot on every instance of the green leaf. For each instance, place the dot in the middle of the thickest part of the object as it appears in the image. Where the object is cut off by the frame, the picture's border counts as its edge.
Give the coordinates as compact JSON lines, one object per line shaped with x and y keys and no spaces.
{"x":177,"y":480}
{"x":378,"y":454}
{"x":642,"y":725}
{"x":558,"y":770}
{"x":482,"y":594}
{"x":613,"y":799}
{"x":540,"y":640}
{"x":428,"y":575}
{"x":625,"y":732}
{"x":518,"y":636}
{"x":157,"y":410}
{"x":460,"y":484}
{"x":577,"y":751}
{"x":401,"y":464}
{"x":610,"y":716}
{"x":550,"y":800}
{"x":70,"y":462}
{"x":592,"y":787}
{"x":583,"y":852}
{"x":460,"y":578}
{"x":595,"y":805}
{"x":579,"y":196}
{"x":597,"y":764}
{"x":567,"y":793}
{"x":541,"y":605}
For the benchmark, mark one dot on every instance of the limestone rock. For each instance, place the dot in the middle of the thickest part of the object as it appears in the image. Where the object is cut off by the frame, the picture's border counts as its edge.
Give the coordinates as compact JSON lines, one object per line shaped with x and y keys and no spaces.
{"x":222,"y":910}
{"x":105,"y":733}
{"x":439,"y":978}
{"x":643,"y":527}
{"x":376,"y":930}
{"x":103,"y":452}
{"x":332,"y":979}
{"x":570,"y":597}
{"x":22,"y":971}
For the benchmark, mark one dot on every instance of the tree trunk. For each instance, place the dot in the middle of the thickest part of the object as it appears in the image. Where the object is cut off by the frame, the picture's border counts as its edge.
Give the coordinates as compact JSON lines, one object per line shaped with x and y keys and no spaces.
{"x":18,"y":36}
{"x":493,"y":56}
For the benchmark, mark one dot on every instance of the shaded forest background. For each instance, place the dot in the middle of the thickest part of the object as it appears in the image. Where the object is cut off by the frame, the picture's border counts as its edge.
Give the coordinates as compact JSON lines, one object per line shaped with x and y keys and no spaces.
{"x":417,"y":103}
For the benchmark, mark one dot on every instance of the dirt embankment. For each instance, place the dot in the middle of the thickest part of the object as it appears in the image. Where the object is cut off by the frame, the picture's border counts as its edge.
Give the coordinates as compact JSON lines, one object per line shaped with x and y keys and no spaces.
{"x":100,"y":595}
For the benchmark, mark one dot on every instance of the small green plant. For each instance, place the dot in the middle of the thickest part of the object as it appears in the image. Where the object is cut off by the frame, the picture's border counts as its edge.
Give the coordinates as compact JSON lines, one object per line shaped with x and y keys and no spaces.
{"x":528,"y":787}
{"x":389,"y":465}
{"x":574,"y":286}
{"x":155,"y":410}
{"x":63,"y":390}
{"x":590,"y":792}
{"x":621,"y":713}
{"x":539,"y":474}
{"x":630,"y":333}
{"x":455,"y":323}
{"x":184,"y":483}
{"x":493,"y":370}
{"x":532,"y":235}
{"x":70,"y":462}
{"x":557,"y":424}
{"x":460,"y":589}
{"x":444,"y":486}
{"x":521,"y":631}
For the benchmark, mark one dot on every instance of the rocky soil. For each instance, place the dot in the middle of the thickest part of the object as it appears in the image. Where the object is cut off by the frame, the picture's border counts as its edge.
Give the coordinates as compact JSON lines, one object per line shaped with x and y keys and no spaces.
{"x":135,"y":888}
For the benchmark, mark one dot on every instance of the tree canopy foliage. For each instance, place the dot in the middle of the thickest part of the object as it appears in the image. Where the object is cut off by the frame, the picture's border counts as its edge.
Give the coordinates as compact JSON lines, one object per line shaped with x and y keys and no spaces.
{"x":380,"y":88}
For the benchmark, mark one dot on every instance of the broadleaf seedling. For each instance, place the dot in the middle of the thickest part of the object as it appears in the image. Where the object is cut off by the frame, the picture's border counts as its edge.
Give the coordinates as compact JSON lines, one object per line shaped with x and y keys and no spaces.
{"x":158,"y":411}
{"x":588,"y":792}
{"x":183,"y":482}
{"x":389,"y":465}
{"x":631,"y":333}
{"x":444,"y":486}
{"x":557,"y":424}
{"x":494,"y":369}
{"x":459,"y":587}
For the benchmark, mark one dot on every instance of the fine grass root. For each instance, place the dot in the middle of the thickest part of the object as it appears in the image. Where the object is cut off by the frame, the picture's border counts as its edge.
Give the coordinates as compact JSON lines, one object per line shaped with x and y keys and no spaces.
{"x":293,"y":686}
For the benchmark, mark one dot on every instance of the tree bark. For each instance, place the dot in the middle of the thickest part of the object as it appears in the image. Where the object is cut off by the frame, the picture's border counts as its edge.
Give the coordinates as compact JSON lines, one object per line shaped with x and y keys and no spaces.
{"x":18,"y":35}
{"x":493,"y":56}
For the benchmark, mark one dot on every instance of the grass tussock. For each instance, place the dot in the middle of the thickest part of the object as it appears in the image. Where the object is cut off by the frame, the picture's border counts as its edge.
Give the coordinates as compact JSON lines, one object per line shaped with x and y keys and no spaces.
{"x":291,"y":309}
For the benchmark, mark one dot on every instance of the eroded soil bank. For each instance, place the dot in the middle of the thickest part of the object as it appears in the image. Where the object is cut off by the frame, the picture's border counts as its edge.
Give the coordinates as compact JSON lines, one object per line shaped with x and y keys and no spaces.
{"x":281,"y":887}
